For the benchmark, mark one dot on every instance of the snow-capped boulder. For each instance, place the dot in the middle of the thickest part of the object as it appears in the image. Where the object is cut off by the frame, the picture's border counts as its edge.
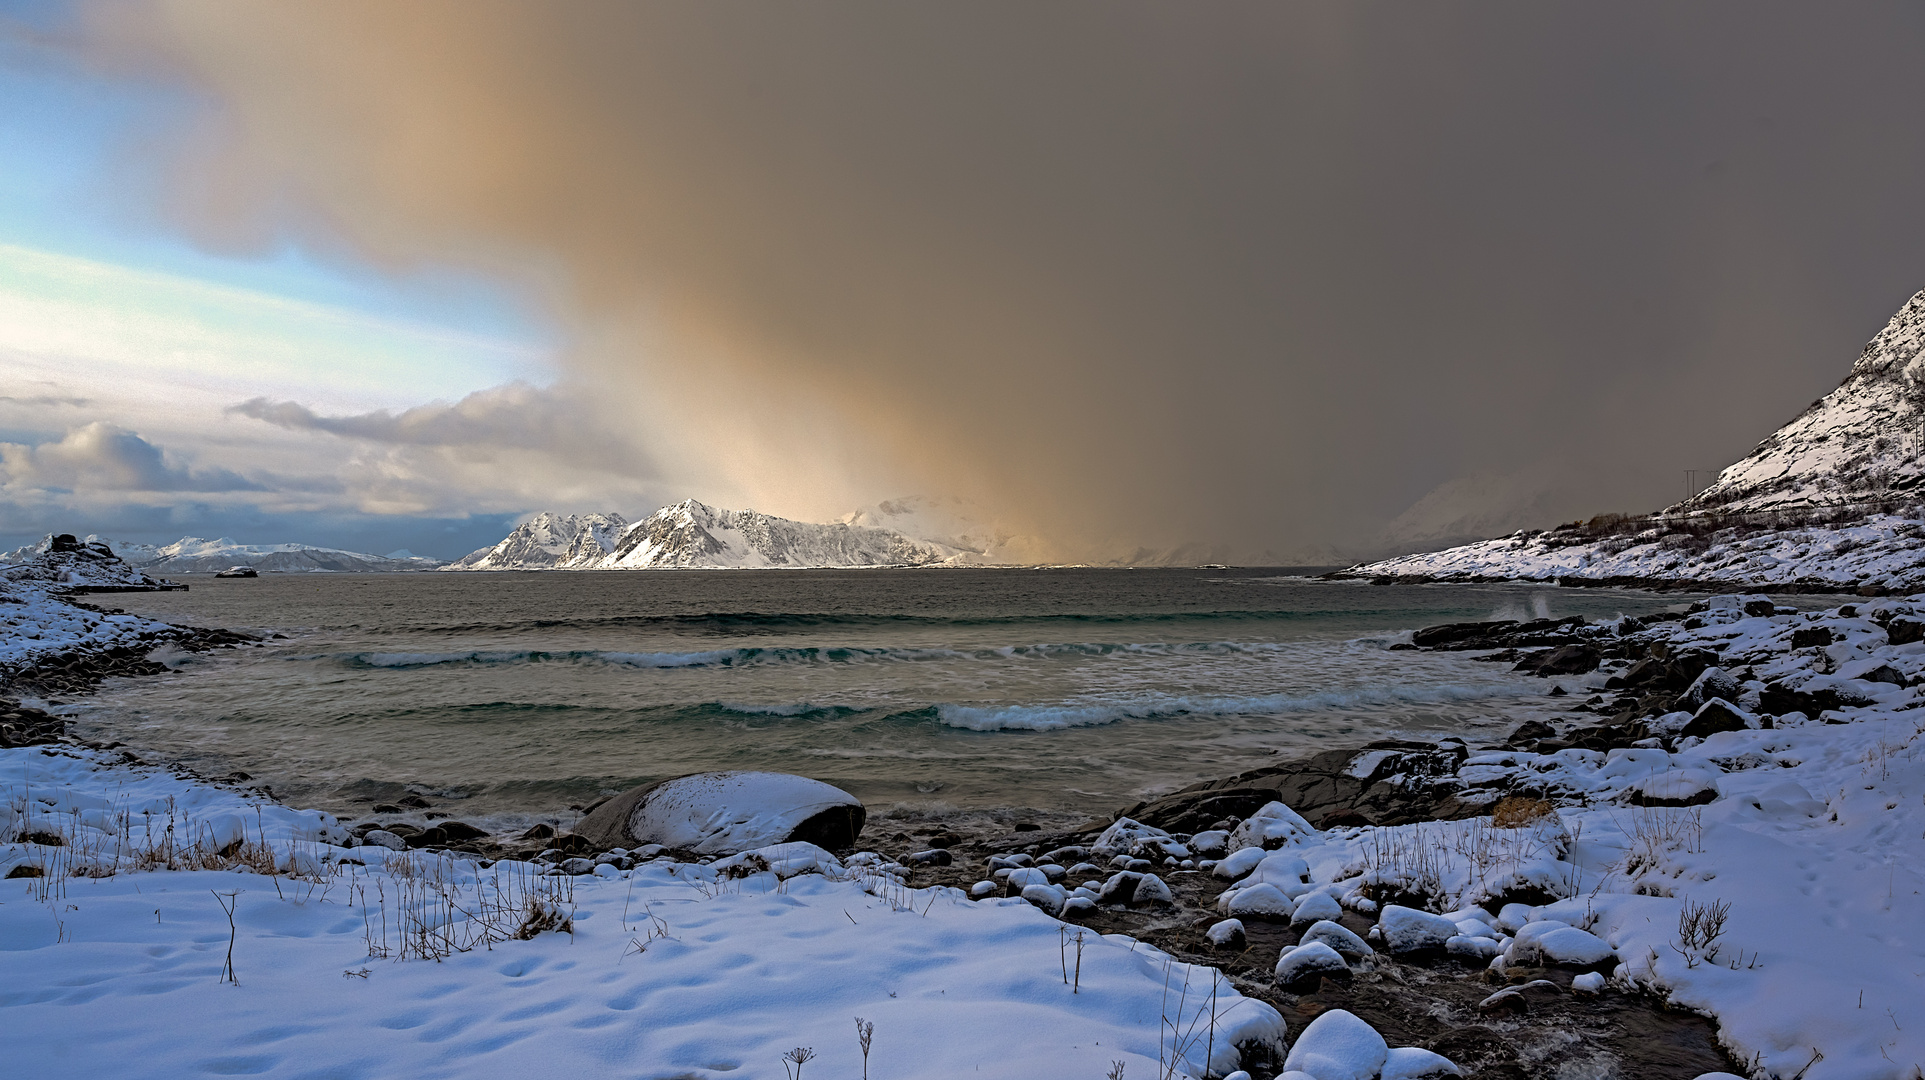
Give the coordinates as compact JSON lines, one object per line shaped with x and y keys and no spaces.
{"x":1238,"y":863}
{"x":1416,"y":1063}
{"x":1151,"y":891}
{"x":1714,"y":682}
{"x":1348,"y":945}
{"x":1050,"y":898}
{"x":1300,"y":963}
{"x":783,"y":860}
{"x":1263,"y":902}
{"x":1677,"y":787}
{"x":1338,"y":1046}
{"x":1547,"y":943}
{"x":1125,"y":835}
{"x":723,"y":812}
{"x":1407,"y":930}
{"x":1211,"y":843}
{"x":1315,"y":907}
{"x":1272,"y":827}
{"x":1226,"y":934}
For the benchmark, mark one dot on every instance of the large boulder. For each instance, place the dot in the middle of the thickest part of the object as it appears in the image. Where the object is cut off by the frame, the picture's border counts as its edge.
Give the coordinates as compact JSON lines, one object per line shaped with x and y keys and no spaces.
{"x":719,"y":813}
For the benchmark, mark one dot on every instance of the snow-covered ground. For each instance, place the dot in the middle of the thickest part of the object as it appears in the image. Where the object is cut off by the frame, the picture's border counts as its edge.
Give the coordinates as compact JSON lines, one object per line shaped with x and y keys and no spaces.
{"x":367,"y":962}
{"x":1885,"y":552}
{"x":36,"y":621}
{"x":1768,"y":876}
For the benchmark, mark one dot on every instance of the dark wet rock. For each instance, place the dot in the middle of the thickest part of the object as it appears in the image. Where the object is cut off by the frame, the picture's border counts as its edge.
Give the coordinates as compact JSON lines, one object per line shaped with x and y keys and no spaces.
{"x":1905,"y":631}
{"x":415,"y":801}
{"x":1529,"y":732}
{"x":1811,"y":637}
{"x":385,"y":808}
{"x":1714,"y":716}
{"x":1884,"y":673}
{"x":21,"y":725}
{"x":446,"y":833}
{"x":538,"y":831}
{"x":931,"y":857}
{"x":1323,"y":785}
{"x":1564,"y":660}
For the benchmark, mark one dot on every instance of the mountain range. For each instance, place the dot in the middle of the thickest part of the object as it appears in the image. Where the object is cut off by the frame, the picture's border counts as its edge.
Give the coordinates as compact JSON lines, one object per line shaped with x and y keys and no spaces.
{"x":694,"y":535}
{"x":194,"y":555}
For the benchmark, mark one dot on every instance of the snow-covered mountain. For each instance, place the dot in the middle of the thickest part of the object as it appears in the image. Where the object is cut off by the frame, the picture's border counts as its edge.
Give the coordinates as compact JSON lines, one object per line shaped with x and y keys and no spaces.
{"x":193,"y":555}
{"x":1858,"y":444}
{"x":550,"y":542}
{"x":1827,"y":502}
{"x":692,"y":535}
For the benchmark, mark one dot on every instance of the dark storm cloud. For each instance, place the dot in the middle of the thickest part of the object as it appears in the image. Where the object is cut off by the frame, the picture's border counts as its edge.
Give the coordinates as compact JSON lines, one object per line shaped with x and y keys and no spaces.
{"x":1255,"y":275}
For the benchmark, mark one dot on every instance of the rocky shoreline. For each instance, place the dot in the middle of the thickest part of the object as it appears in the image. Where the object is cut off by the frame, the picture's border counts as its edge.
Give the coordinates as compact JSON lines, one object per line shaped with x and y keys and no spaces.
{"x":1662,"y":684}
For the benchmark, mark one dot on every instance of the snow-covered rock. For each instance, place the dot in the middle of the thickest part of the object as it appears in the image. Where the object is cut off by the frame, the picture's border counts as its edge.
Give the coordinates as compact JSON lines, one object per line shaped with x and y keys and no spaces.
{"x":1338,"y":1046}
{"x":1264,"y":902}
{"x":1299,"y":963}
{"x":1271,"y":827}
{"x":1406,"y":930}
{"x":1552,"y":943}
{"x":1347,"y":944}
{"x":722,"y":812}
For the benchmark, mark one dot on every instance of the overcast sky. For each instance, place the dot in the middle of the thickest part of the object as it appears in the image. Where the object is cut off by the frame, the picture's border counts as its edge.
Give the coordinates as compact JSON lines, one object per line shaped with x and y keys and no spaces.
{"x":1278,"y":282}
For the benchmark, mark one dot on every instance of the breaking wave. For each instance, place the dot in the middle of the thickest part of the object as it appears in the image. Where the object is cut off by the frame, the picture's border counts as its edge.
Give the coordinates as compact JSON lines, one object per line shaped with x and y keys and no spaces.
{"x":1057,"y":717}
{"x":763,"y":657}
{"x":754,"y":621}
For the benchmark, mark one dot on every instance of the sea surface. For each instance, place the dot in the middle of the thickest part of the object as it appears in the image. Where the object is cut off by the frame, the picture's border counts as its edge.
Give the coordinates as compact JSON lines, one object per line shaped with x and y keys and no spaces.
{"x":511,"y":696}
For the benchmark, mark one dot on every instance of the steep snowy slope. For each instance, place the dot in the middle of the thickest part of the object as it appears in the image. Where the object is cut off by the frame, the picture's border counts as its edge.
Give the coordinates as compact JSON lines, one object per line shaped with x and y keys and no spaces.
{"x":1827,"y":502}
{"x":691,"y":534}
{"x":550,"y":542}
{"x":1857,"y":444}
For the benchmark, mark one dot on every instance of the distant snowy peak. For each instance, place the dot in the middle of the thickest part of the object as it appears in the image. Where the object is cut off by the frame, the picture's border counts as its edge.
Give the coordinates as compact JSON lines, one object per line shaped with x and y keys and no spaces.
{"x":194,"y":555}
{"x":1858,"y":445}
{"x":953,"y":523}
{"x":694,"y":535}
{"x":550,"y":541}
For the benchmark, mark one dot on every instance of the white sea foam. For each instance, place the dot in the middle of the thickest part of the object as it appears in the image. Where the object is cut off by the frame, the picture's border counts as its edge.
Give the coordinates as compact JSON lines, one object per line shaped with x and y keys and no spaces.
{"x":745,"y":657}
{"x":1055,"y":717}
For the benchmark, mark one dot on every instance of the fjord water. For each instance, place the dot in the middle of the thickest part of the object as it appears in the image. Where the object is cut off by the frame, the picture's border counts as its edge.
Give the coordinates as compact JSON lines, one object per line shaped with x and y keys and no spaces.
{"x":513,"y":695}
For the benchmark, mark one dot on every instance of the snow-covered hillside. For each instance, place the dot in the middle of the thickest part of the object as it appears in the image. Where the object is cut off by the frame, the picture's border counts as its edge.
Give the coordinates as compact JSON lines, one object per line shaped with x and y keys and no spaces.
{"x":692,"y":536}
{"x":1857,"y":444}
{"x":1827,"y":502}
{"x":1884,"y":553}
{"x":550,"y":542}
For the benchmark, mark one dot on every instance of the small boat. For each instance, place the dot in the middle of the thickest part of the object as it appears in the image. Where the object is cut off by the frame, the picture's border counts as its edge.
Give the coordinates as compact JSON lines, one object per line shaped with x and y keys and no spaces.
{"x":239,"y":571}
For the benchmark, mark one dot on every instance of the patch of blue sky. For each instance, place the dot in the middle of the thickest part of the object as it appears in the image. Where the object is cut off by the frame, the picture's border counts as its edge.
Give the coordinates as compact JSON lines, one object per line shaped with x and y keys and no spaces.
{"x":79,"y":228}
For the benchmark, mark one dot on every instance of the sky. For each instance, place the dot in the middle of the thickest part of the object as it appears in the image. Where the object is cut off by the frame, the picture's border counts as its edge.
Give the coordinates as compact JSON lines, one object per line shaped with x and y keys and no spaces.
{"x":1285,"y":283}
